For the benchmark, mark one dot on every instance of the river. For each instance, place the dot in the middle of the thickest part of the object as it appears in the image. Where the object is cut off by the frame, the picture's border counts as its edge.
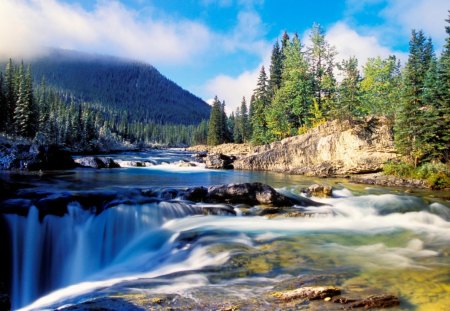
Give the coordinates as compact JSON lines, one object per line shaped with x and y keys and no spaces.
{"x":365,"y":240}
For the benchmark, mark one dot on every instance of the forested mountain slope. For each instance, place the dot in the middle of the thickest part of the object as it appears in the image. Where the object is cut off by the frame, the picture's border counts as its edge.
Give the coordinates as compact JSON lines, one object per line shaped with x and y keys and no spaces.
{"x":121,"y":85}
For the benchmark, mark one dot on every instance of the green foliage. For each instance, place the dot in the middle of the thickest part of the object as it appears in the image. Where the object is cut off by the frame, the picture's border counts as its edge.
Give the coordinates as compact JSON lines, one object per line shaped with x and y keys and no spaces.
{"x":218,"y":132}
{"x":259,"y":106}
{"x":436,"y":174}
{"x":289,"y":109}
{"x":380,"y":87}
{"x":348,"y":104}
{"x":320,"y":57}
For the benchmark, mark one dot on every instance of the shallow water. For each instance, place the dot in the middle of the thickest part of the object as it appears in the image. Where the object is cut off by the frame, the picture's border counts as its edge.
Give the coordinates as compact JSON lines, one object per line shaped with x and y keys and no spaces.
{"x":366,"y":240}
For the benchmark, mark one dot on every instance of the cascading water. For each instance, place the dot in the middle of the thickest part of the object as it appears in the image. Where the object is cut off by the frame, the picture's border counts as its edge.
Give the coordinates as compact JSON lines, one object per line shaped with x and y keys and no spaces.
{"x":59,"y":251}
{"x":167,"y":247}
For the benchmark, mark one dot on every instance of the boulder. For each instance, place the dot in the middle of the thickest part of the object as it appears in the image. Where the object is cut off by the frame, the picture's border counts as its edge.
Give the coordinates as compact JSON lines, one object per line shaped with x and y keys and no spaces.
{"x":246,"y":193}
{"x":333,"y":148}
{"x":35,"y":157}
{"x":219,"y":161}
{"x":97,"y":162}
{"x":321,"y":191}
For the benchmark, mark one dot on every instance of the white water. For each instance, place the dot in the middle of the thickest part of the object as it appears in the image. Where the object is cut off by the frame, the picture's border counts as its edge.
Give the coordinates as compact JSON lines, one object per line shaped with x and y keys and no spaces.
{"x":83,"y":252}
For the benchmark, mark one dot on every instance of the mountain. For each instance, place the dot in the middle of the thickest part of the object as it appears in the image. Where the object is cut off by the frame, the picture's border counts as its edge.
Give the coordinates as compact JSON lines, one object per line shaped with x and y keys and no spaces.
{"x":120,"y":85}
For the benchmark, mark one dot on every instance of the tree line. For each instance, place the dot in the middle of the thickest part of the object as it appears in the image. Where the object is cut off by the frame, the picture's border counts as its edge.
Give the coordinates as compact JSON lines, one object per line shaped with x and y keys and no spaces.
{"x":54,"y":116}
{"x":306,"y":86}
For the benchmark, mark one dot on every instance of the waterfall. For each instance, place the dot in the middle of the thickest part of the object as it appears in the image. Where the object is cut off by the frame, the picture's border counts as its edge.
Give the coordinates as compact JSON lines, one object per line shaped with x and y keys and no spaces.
{"x":58,"y":251}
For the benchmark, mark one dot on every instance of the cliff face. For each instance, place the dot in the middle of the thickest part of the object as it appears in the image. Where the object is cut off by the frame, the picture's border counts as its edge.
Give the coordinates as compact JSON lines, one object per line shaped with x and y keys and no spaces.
{"x":334,"y":148}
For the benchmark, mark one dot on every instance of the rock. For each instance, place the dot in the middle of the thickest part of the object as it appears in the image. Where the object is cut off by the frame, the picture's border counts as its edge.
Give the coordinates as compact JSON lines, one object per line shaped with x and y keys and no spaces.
{"x":334,"y":148}
{"x":371,"y":302}
{"x":247,"y":193}
{"x":35,"y":157}
{"x":380,"y":179}
{"x":97,"y":162}
{"x":219,"y":161}
{"x":310,"y":293}
{"x":252,"y":194}
{"x":321,"y":191}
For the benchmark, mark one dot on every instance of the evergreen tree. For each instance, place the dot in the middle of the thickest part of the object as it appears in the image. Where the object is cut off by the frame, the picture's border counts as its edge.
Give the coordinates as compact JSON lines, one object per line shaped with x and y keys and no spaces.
{"x":349,"y":97}
{"x":439,"y":99}
{"x":244,"y":121}
{"x":289,"y":109}
{"x":22,"y":111}
{"x":276,"y":69}
{"x":321,"y":65}
{"x":10,"y":95}
{"x":410,"y":118}
{"x":225,"y":136}
{"x":215,"y":124}
{"x":3,"y":106}
{"x":259,"y":106}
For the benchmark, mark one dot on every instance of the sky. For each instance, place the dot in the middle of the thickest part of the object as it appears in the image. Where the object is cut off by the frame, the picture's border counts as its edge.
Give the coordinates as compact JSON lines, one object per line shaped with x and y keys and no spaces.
{"x":214,"y":47}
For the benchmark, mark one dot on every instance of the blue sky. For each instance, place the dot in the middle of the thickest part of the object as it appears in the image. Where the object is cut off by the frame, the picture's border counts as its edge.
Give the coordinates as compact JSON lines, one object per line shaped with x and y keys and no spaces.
{"x":214,"y":46}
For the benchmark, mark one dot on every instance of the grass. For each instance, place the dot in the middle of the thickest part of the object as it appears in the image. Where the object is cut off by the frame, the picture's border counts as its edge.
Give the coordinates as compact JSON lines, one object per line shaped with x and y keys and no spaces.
{"x":436,"y":174}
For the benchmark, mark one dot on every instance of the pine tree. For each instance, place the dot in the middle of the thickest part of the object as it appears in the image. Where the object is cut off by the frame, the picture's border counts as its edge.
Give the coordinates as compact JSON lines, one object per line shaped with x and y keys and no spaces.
{"x":244,"y":121}
{"x":215,"y":124}
{"x":225,"y":135}
{"x":442,"y":101}
{"x":410,"y":118}
{"x":22,"y":111}
{"x":10,"y":95}
{"x":259,"y":106}
{"x":289,"y":110}
{"x":276,"y":69}
{"x":349,"y":98}
{"x":3,"y":106}
{"x":321,"y":65}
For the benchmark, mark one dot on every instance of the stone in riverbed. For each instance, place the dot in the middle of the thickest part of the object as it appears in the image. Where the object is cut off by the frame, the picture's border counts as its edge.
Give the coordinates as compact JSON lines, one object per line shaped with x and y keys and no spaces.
{"x":219,"y":161}
{"x":371,"y":302}
{"x":308,"y":292}
{"x":97,"y":162}
{"x":321,"y":191}
{"x":246,"y":193}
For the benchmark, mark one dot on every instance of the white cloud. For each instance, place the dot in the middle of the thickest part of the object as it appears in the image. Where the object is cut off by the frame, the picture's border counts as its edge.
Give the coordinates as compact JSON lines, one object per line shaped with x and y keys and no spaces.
{"x":232,"y":89}
{"x":428,"y":15}
{"x":349,"y":43}
{"x":26,"y":26}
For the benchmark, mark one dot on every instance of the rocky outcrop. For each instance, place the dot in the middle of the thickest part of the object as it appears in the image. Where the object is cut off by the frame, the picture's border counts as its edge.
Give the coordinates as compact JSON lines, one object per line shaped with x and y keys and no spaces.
{"x":97,"y":162}
{"x":334,"y":148}
{"x":34,"y":157}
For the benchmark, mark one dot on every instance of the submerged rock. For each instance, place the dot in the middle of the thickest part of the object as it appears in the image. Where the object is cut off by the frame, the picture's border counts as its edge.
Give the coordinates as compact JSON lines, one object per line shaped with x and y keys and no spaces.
{"x":371,"y":302}
{"x":310,"y":293}
{"x":97,"y":162}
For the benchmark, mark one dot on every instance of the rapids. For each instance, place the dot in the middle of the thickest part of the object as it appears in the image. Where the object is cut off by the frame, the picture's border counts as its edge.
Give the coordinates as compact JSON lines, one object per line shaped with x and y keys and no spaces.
{"x":376,"y":238}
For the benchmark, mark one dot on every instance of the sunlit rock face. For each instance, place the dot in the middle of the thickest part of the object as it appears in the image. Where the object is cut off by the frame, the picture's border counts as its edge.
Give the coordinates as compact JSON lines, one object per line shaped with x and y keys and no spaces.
{"x":334,"y":148}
